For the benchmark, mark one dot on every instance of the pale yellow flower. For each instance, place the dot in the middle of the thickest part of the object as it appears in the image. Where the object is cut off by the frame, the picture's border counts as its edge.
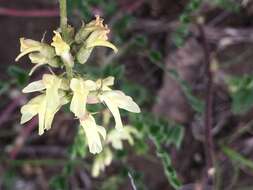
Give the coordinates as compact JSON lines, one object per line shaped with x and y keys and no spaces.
{"x":45,"y":105}
{"x":38,"y":105}
{"x":80,"y":89}
{"x":101,"y":161}
{"x":104,"y":84}
{"x":31,"y":108}
{"x":116,"y":137}
{"x":39,"y":53}
{"x":91,"y":35}
{"x":116,"y":99}
{"x":60,"y":46}
{"x":62,"y":49}
{"x":93,"y":133}
{"x":99,"y":36}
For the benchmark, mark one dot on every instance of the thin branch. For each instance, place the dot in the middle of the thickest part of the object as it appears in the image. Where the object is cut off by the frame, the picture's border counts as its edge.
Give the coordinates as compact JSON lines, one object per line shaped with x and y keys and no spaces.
{"x":209,"y":147}
{"x":21,"y":139}
{"x":132,"y":181}
{"x":5,"y":115}
{"x":28,"y":13}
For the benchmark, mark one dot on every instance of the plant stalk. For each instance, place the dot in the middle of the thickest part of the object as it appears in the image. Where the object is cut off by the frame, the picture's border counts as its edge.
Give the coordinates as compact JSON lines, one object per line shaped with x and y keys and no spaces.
{"x":208,"y":120}
{"x":64,"y":30}
{"x":63,"y":18}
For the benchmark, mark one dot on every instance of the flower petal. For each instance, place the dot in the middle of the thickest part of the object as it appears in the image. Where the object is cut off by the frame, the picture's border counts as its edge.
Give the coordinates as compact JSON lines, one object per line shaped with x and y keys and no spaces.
{"x":80,"y":90}
{"x":51,"y":103}
{"x":92,"y":134}
{"x":34,"y":87}
{"x":30,"y":109}
{"x":102,"y":43}
{"x":60,"y":46}
{"x":26,"y":51}
{"x":113,"y":108}
{"x":123,"y":101}
{"x":83,"y":54}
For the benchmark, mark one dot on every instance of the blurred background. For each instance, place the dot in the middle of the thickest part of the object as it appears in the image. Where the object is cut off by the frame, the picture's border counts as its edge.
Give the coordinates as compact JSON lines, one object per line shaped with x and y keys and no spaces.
{"x":163,"y":57}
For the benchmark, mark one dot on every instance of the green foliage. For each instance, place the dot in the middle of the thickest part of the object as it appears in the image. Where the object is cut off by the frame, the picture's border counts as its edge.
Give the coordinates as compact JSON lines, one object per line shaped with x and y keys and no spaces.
{"x":120,"y":27}
{"x":196,"y":103}
{"x":19,"y":74}
{"x":185,"y":19}
{"x":85,"y":7}
{"x":4,"y":87}
{"x":59,"y":182}
{"x":237,"y":158}
{"x":112,"y":183}
{"x":141,"y":41}
{"x":241,"y":91}
{"x":79,"y":146}
{"x":230,"y":5}
{"x":170,"y":172}
{"x":162,"y":133}
{"x":155,"y":56}
{"x":137,"y":178}
{"x":76,"y":150}
{"x":115,"y":70}
{"x":8,"y":179}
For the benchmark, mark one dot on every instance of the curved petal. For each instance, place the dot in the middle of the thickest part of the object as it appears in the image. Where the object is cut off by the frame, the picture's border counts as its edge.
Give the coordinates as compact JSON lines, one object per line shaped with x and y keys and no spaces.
{"x":92,"y":134}
{"x":30,"y":109}
{"x":114,"y":110}
{"x":102,"y":43}
{"x":34,"y":68}
{"x":26,"y":51}
{"x":60,"y":46}
{"x":123,"y":101}
{"x":77,"y":105}
{"x":34,"y":87}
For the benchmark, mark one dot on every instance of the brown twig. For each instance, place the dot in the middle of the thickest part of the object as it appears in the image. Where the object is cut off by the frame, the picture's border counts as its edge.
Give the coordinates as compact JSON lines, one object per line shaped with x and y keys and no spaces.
{"x":209,"y":147}
{"x":20,"y":140}
{"x":28,"y":13}
{"x":5,"y":115}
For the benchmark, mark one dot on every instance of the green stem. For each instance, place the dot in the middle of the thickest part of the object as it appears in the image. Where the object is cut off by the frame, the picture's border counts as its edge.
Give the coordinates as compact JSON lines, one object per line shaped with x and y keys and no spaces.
{"x":63,"y":19}
{"x":64,"y":30}
{"x":69,"y":71}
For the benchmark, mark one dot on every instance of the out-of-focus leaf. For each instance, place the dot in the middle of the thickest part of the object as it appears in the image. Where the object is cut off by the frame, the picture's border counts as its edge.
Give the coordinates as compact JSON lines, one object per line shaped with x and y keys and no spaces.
{"x":229,"y":5}
{"x":113,"y":70}
{"x":140,"y":94}
{"x":19,"y":74}
{"x":237,"y":157}
{"x":112,"y":183}
{"x":8,"y":179}
{"x":79,"y":147}
{"x":170,"y":172}
{"x":196,"y":103}
{"x":176,"y":134}
{"x":155,"y":56}
{"x":4,"y":87}
{"x":59,"y":183}
{"x":141,"y":40}
{"x":241,"y":91}
{"x":161,"y":132}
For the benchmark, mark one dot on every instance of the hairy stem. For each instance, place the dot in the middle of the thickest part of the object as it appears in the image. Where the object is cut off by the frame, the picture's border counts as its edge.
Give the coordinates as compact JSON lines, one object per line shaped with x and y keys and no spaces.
{"x":209,"y":147}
